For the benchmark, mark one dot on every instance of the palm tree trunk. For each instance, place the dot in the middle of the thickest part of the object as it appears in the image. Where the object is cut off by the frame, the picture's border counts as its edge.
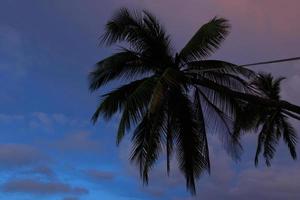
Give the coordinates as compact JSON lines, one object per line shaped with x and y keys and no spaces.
{"x":247,"y":97}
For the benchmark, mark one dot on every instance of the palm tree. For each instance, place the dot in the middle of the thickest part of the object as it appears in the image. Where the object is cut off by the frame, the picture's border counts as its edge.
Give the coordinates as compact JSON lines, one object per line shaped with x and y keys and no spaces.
{"x":172,"y":100}
{"x":272,"y":123}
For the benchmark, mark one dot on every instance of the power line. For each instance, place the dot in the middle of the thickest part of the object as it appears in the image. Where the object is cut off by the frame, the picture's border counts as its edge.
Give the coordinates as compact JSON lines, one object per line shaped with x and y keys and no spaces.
{"x":270,"y":62}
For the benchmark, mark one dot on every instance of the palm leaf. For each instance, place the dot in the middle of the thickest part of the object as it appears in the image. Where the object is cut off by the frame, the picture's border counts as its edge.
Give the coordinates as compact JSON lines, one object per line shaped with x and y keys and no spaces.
{"x":135,"y":106}
{"x":189,"y":151}
{"x":125,"y":64}
{"x":219,"y":111}
{"x":141,"y":31}
{"x":147,"y":141}
{"x":267,"y":85}
{"x":124,"y":25}
{"x":206,"y":40}
{"x":115,"y":100}
{"x":289,"y":136}
{"x":218,"y":66}
{"x":199,"y":116}
{"x":169,"y":139}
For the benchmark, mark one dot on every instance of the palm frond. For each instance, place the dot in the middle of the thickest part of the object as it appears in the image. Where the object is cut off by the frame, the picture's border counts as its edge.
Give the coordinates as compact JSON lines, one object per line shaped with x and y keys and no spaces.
{"x":159,"y":35}
{"x":220,"y":111}
{"x":189,"y":149}
{"x":289,"y":136}
{"x":260,"y":141}
{"x":135,"y":106}
{"x":199,"y":117}
{"x":122,"y":65}
{"x":206,"y":40}
{"x":270,"y":142}
{"x":246,"y":119}
{"x":147,"y":141}
{"x":141,"y":31}
{"x":231,"y":81}
{"x":267,"y":85}
{"x":115,"y":100}
{"x":169,"y":139}
{"x":170,"y":79}
{"x":124,"y":25}
{"x":220,"y":66}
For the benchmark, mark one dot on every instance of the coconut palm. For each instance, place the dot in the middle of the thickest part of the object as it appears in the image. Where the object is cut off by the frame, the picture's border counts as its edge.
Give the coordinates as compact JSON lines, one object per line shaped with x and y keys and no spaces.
{"x":171,"y":99}
{"x":271,"y":122}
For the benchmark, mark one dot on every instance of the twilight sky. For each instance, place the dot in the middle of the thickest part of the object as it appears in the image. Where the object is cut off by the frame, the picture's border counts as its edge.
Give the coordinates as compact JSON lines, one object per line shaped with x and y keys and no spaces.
{"x":49,"y":149}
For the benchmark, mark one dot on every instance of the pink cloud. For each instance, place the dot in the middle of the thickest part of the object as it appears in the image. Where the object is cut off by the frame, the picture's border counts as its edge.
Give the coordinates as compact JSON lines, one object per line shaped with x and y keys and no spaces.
{"x":99,"y":175}
{"x":78,"y":142}
{"x":18,"y":155}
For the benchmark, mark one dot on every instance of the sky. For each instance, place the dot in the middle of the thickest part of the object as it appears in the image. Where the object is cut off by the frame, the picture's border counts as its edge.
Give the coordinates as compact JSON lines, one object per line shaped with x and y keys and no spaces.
{"x":50,"y":150}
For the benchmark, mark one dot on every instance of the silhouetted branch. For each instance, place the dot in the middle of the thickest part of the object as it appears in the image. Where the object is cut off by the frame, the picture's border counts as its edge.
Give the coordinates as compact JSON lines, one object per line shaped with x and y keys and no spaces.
{"x":248,"y":97}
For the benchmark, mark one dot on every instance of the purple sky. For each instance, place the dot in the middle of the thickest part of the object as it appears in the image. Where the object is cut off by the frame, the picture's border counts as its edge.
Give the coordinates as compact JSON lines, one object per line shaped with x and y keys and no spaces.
{"x":50,"y":150}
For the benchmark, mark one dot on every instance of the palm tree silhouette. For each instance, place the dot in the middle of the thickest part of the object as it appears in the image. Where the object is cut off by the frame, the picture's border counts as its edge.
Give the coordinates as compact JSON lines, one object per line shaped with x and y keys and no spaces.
{"x":173,"y":99}
{"x":271,"y":122}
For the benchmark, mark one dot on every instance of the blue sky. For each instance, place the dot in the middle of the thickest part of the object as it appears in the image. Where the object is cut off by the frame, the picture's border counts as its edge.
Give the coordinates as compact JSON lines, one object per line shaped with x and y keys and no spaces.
{"x":50,"y":150}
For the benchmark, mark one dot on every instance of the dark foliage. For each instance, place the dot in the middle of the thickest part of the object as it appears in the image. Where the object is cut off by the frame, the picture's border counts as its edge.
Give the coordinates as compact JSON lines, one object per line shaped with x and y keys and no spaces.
{"x":173,"y":100}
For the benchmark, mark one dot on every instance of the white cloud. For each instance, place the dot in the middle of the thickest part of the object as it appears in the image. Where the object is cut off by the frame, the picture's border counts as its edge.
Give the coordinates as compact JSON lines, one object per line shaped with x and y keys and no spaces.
{"x":50,"y":121}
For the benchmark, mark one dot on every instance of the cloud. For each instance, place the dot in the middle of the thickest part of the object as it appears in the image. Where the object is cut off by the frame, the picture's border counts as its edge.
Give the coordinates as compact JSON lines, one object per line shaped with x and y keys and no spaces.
{"x":50,"y":121}
{"x":273,"y":183}
{"x":154,"y":192}
{"x":18,"y":155}
{"x":61,"y":118}
{"x":78,"y":142}
{"x":42,"y":170}
{"x":249,"y":28}
{"x":41,"y":188}
{"x":43,"y":119}
{"x":276,"y":183}
{"x":229,"y":180}
{"x":221,"y":174}
{"x":98,"y":175}
{"x":71,"y":198}
{"x":159,"y":181}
